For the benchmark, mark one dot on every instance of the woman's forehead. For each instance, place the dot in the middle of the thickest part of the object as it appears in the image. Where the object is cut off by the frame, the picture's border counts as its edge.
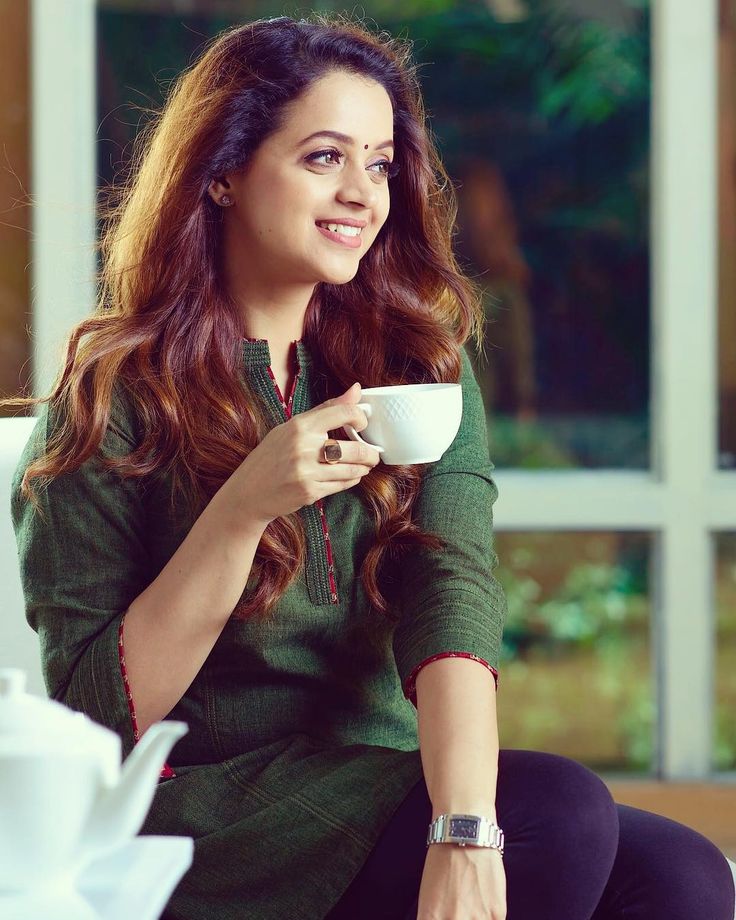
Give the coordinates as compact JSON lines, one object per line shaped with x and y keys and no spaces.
{"x":347,"y":104}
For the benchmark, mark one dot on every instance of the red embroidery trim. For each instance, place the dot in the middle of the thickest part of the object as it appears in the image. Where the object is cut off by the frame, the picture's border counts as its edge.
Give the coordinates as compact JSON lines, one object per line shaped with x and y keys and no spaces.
{"x":410,"y":691}
{"x":287,"y":407}
{"x":166,"y":771}
{"x":328,"y":545}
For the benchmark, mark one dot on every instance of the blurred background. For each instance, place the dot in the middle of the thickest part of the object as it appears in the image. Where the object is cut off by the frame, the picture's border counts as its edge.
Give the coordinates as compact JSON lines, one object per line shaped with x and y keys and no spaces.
{"x":592,"y":144}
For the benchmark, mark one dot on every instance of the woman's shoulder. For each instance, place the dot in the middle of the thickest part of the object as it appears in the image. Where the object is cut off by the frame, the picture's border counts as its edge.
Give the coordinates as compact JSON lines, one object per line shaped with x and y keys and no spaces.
{"x":124,"y":418}
{"x":122,"y":434}
{"x":468,"y":377}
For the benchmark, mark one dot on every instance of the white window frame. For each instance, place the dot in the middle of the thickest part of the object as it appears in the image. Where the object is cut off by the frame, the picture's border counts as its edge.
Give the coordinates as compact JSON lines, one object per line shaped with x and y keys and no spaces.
{"x":683,"y":501}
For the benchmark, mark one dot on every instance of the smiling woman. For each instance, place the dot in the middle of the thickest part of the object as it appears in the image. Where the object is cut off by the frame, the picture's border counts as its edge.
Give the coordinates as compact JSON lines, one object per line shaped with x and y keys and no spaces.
{"x":202,"y":557}
{"x":201,"y":550}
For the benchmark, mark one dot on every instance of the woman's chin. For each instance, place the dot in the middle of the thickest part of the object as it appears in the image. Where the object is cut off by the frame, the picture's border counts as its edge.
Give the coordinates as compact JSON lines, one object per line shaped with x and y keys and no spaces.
{"x":339,"y":275}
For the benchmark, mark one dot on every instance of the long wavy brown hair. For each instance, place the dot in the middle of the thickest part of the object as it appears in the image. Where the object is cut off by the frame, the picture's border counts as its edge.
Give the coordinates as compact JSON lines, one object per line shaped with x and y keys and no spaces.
{"x":165,"y":330}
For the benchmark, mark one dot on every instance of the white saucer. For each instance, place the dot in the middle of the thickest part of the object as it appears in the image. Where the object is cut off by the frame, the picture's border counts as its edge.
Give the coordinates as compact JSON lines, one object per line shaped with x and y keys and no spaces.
{"x":135,"y":880}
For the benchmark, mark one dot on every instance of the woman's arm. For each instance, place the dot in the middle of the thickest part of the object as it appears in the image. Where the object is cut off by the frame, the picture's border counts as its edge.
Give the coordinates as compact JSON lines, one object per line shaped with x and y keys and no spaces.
{"x":451,"y":606}
{"x":458,"y":736}
{"x":449,"y":601}
{"x":184,"y":610}
{"x":85,"y":570}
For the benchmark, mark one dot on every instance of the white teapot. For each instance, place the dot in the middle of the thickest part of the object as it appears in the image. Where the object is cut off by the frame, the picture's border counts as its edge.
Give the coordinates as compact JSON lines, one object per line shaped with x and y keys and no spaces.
{"x":64,"y":798}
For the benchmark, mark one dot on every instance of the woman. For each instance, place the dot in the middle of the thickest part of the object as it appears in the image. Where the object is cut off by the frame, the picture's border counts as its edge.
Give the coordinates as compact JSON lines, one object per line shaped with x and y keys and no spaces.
{"x":204,"y":551}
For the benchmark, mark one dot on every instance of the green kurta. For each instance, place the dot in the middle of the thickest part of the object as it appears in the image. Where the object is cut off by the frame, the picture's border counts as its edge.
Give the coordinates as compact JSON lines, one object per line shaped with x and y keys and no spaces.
{"x":302,"y":743}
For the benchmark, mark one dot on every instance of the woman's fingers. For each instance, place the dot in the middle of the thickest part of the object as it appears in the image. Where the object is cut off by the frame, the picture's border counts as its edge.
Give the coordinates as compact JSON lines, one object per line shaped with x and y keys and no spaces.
{"x":330,"y":415}
{"x":356,"y":458}
{"x":342,"y":470}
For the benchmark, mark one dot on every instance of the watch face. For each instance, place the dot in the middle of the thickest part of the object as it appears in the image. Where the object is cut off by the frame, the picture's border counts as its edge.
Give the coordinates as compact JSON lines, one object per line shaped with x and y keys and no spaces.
{"x":464,"y":827}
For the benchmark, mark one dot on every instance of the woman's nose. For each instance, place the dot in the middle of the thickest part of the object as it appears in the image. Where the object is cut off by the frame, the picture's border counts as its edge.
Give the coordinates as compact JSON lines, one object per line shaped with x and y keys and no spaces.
{"x":357,"y":186}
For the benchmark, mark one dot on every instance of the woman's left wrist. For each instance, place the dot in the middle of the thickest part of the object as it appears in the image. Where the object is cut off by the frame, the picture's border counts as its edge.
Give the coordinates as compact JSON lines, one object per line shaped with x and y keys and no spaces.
{"x":485,"y":810}
{"x":466,"y":829}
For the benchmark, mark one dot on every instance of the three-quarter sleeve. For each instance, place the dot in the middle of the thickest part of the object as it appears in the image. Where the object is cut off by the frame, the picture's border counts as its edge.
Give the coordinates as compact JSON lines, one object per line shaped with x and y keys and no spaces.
{"x":81,"y":565}
{"x":449,"y":599}
{"x":410,"y":686}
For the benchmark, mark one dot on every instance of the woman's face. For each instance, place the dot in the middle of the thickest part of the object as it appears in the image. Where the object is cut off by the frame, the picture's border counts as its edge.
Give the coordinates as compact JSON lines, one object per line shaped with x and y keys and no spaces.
{"x":303,"y":177}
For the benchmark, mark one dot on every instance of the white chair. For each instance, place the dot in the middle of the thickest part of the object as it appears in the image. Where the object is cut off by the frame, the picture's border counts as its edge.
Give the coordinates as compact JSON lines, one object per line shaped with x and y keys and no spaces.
{"x":18,"y":643}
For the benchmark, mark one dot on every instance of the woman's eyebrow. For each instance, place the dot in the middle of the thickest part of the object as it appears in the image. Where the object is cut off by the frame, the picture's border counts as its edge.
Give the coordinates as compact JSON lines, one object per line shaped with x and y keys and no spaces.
{"x":344,"y":138}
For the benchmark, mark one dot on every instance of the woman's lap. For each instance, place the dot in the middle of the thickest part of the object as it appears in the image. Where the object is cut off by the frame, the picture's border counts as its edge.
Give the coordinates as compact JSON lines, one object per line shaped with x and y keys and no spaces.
{"x":571,"y":853}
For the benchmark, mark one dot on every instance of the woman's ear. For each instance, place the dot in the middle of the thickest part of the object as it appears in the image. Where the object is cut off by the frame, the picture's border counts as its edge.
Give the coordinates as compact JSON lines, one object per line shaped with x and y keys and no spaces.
{"x":218,"y":187}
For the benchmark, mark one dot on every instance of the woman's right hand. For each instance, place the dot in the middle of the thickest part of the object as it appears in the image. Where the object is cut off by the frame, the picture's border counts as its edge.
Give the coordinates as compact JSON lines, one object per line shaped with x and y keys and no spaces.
{"x":285,"y":471}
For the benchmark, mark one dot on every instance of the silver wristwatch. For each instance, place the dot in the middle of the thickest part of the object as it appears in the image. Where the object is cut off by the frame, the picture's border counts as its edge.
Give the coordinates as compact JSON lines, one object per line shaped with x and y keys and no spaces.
{"x":466,"y":830}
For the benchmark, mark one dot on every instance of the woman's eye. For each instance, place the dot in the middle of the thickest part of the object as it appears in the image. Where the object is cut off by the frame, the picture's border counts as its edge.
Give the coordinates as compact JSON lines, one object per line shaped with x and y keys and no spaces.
{"x":385,"y":167}
{"x":314,"y":157}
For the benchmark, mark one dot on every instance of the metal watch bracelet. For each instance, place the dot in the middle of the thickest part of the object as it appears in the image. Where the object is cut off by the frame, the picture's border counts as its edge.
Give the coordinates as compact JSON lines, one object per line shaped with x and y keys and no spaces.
{"x":466,"y":830}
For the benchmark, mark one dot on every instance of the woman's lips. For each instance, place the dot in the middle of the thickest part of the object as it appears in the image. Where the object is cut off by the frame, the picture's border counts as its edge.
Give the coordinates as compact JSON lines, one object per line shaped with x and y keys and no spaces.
{"x":352,"y":242}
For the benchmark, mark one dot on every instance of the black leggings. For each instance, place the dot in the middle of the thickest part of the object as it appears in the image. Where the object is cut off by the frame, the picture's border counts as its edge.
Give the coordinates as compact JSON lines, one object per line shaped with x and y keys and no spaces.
{"x":571,"y":853}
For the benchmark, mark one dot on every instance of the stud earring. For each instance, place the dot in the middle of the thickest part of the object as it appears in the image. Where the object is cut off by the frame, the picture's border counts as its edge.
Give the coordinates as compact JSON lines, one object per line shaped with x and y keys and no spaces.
{"x":225,"y":201}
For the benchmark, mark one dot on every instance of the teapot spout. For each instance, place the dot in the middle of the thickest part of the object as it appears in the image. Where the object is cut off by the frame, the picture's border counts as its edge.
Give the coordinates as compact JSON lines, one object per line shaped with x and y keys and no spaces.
{"x":120,"y":810}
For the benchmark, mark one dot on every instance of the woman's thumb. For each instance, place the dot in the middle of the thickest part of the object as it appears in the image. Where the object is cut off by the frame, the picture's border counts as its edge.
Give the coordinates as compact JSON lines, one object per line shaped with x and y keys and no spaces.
{"x":352,"y":393}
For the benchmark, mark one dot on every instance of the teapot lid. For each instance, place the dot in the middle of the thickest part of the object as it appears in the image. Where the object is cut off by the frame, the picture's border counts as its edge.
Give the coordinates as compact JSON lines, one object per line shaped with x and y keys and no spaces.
{"x":33,"y":725}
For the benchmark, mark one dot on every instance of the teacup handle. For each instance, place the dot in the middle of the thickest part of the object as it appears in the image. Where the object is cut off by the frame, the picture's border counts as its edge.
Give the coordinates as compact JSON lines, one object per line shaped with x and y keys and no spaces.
{"x":353,"y":434}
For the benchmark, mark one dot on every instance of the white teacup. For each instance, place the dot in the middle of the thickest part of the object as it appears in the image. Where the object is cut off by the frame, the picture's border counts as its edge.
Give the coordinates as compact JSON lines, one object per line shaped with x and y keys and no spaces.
{"x":412,"y":422}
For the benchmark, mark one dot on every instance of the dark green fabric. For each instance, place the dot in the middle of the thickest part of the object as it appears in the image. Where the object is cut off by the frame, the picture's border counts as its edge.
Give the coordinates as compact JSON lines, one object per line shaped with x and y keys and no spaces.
{"x":301,"y":743}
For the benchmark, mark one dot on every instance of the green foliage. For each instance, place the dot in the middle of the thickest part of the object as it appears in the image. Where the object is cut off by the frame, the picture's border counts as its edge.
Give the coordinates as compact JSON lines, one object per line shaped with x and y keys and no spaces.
{"x":554,"y":62}
{"x":596,"y":602}
{"x":576,"y":648}
{"x":593,"y":71}
{"x":528,"y":445}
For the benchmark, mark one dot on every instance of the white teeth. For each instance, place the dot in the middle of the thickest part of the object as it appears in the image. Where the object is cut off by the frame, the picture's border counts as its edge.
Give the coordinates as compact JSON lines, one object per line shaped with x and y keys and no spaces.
{"x":341,"y":228}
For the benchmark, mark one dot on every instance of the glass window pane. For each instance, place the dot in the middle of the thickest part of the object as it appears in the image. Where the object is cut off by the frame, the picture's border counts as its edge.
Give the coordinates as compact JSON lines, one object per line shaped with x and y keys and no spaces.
{"x":541,"y":112}
{"x":575,"y":675}
{"x":724,"y":755}
{"x":552,"y":166}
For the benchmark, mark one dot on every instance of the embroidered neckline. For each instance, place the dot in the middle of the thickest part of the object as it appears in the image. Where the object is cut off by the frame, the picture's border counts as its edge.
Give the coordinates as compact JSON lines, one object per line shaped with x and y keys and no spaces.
{"x":321,"y":580}
{"x":257,"y":352}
